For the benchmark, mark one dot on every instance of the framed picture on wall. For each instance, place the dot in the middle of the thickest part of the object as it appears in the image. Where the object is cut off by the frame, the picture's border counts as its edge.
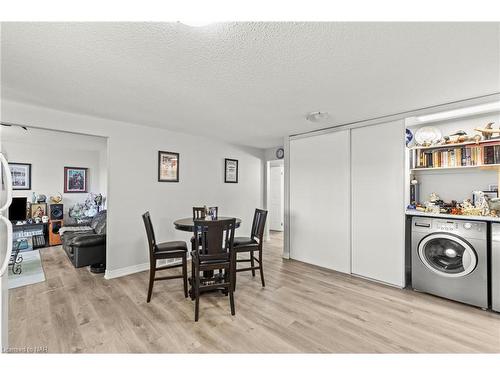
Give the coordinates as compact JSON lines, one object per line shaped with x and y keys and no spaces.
{"x":21,"y":176}
{"x":231,"y":171}
{"x":75,"y":180}
{"x":168,"y":166}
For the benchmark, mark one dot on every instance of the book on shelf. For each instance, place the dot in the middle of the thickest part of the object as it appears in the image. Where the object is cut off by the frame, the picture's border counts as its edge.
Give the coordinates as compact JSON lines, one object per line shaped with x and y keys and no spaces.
{"x":465,"y":156}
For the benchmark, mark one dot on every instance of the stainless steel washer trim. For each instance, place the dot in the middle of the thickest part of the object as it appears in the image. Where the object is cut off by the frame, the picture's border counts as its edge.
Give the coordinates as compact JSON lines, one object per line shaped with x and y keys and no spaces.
{"x":469,"y":252}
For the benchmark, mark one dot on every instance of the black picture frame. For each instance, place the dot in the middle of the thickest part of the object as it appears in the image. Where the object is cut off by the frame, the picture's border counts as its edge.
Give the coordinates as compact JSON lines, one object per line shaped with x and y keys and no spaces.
{"x":14,"y":178}
{"x":231,"y":177}
{"x":162,"y":161}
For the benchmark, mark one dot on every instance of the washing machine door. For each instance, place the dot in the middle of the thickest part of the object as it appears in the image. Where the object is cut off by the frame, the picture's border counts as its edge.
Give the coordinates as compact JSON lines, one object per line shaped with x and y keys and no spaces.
{"x":447,"y":255}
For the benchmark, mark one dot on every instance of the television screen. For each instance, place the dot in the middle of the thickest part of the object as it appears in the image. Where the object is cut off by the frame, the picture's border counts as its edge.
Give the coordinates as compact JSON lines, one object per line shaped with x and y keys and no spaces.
{"x":17,"y":210}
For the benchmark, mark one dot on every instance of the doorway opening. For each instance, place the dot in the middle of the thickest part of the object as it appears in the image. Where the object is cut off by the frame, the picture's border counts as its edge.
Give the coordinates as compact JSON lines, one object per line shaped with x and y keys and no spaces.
{"x":275,"y":197}
{"x":58,"y":211}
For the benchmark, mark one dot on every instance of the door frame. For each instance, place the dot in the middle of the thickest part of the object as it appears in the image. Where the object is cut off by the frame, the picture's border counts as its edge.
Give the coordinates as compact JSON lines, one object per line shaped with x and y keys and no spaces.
{"x":275,"y":164}
{"x":267,"y":200}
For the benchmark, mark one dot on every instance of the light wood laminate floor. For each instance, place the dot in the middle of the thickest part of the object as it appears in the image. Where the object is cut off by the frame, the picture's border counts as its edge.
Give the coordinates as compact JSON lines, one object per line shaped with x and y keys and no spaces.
{"x":303,"y":308}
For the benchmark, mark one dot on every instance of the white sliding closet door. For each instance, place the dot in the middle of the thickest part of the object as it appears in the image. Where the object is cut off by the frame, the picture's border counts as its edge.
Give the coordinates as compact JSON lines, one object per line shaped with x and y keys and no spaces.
{"x":378,"y":219}
{"x":319,"y":200}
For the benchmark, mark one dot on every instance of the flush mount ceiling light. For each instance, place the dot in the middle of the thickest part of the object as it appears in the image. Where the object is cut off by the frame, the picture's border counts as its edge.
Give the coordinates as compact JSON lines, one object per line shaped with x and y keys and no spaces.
{"x":317,"y":116}
{"x":460,"y":112}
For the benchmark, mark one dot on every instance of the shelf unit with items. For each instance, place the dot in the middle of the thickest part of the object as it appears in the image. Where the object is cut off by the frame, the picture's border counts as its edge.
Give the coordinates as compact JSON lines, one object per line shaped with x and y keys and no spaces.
{"x":483,"y":154}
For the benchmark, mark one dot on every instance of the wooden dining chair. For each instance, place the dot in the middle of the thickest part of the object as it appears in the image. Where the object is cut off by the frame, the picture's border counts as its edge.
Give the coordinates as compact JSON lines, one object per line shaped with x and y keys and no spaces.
{"x":251,"y":245}
{"x":199,"y":214}
{"x":213,"y":251}
{"x":164,"y":250}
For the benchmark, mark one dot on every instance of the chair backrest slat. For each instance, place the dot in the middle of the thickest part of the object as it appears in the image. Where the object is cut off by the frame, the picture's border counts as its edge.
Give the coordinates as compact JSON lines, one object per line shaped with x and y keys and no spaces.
{"x":146,"y":217}
{"x":258,"y":224}
{"x":213,"y":237}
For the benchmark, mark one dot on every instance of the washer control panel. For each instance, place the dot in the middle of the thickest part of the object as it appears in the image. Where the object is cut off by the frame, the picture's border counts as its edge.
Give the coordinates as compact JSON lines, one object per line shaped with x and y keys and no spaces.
{"x":465,"y":228}
{"x":452,"y":225}
{"x":446,"y":226}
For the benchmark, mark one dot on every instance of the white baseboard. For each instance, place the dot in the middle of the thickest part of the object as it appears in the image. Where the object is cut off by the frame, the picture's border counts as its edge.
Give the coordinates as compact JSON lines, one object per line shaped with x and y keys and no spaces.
{"x":113,"y":274}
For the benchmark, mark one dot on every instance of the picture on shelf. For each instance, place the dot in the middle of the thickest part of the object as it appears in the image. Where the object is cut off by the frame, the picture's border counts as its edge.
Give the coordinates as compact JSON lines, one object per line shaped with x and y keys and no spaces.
{"x":38,"y":210}
{"x":75,"y":180}
{"x":21,"y":176}
{"x":168,"y":166}
{"x":231,"y":171}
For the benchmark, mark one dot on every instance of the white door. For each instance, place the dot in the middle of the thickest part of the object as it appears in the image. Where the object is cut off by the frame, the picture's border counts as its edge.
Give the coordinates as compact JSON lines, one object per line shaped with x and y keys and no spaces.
{"x":378,"y":218}
{"x":276,"y":191}
{"x":319,"y":200}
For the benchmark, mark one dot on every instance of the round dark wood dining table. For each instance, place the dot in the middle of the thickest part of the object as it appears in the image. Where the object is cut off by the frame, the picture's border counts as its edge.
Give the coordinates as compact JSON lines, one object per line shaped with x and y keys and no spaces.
{"x":187,"y":224}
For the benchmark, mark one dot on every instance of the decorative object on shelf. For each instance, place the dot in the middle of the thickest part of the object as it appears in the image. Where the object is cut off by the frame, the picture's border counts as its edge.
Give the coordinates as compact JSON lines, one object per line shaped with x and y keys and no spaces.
{"x":55,"y":199}
{"x":98,"y":200}
{"x":409,"y":136}
{"x":280,"y":152}
{"x":434,"y":197}
{"x":75,"y":180}
{"x":480,"y":201}
{"x":478,"y":195}
{"x":56,"y":211}
{"x":414,"y":192}
{"x":168,"y":166}
{"x":21,"y":176}
{"x":33,"y":197}
{"x":38,"y":210}
{"x":427,"y":136}
{"x":494,"y":204}
{"x":488,"y":131}
{"x":41,"y":198}
{"x":468,"y":208}
{"x":460,"y":137}
{"x":45,"y":219}
{"x":231,"y":171}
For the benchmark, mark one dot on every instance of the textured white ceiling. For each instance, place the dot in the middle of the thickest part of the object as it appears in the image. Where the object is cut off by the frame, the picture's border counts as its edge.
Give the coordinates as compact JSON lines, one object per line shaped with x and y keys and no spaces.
{"x":247,"y":83}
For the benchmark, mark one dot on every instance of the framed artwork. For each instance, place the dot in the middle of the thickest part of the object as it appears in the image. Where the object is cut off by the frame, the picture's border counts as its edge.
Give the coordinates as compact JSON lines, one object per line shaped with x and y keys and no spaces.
{"x":21,"y":176}
{"x":231,"y":171}
{"x":38,"y":210}
{"x":75,"y":180}
{"x":168,"y":166}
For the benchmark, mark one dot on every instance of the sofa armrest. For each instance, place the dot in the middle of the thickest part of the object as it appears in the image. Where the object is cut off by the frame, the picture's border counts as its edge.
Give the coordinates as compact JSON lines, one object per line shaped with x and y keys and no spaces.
{"x":88,"y":240}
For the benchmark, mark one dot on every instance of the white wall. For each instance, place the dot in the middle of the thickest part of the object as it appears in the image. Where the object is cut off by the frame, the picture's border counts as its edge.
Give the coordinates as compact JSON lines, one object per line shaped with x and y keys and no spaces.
{"x":132,"y":179}
{"x":48,"y":153}
{"x":457,"y":184}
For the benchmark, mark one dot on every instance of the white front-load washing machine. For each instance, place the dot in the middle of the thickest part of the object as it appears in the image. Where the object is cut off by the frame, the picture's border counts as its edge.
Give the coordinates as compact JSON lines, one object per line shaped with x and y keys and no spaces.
{"x":449,"y":259}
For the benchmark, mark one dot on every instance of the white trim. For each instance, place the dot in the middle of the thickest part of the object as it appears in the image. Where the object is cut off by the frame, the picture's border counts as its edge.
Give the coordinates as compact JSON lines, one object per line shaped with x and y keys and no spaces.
{"x":120,"y":272}
{"x":286,"y":208}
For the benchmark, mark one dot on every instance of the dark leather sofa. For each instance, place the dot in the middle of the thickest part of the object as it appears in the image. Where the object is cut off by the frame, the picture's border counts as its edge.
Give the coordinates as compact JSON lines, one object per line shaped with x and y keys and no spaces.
{"x":87,"y":247}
